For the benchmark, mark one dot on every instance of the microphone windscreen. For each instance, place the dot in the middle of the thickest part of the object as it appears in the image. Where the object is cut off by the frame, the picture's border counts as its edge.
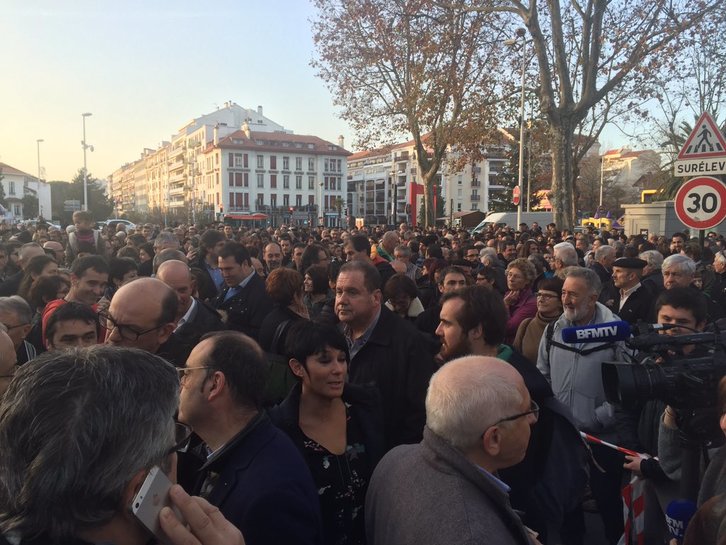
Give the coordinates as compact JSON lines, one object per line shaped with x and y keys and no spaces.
{"x":678,"y":515}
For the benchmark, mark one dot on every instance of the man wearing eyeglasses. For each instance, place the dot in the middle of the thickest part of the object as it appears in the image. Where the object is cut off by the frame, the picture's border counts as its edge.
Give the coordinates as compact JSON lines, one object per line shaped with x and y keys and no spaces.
{"x":252,"y":471}
{"x":445,"y":489}
{"x":141,"y":315}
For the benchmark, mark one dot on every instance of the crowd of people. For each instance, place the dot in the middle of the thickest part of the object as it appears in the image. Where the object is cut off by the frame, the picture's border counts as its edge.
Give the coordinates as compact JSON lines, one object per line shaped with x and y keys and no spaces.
{"x":338,"y":385}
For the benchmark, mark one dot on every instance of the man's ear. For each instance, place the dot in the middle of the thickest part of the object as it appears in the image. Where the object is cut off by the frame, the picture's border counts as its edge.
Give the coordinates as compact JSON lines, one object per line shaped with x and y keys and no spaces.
{"x":475,"y":333}
{"x":492,"y":441}
{"x":165,"y":332}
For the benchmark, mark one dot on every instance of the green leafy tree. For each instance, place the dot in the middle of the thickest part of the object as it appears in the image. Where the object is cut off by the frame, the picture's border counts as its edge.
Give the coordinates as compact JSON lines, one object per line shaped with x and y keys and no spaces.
{"x":30,"y":206}
{"x":3,"y":202}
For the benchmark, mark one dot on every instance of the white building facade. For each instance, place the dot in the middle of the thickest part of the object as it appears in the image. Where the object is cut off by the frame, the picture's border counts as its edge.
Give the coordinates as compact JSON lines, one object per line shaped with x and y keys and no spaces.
{"x":18,"y":184}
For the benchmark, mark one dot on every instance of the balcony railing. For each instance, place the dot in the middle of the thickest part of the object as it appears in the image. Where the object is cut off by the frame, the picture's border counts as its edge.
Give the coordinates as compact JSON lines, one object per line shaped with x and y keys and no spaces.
{"x":475,"y":198}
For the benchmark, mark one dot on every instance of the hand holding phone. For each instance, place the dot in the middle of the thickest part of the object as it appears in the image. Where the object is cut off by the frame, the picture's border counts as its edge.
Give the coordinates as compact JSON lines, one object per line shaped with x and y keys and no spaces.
{"x":206,"y":524}
{"x":149,"y":501}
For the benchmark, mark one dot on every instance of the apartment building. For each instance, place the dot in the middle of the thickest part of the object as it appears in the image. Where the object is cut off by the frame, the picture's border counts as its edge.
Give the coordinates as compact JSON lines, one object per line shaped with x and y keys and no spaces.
{"x":18,"y":184}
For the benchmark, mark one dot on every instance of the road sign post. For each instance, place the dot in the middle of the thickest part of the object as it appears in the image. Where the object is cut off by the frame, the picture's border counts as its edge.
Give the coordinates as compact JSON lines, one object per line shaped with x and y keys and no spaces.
{"x":516,"y":196}
{"x":704,"y":152}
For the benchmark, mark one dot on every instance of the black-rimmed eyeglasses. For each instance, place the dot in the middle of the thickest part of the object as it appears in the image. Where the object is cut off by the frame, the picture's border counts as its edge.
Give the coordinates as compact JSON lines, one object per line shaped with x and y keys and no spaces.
{"x":128,"y":332}
{"x":533,"y":410}
{"x":182,"y":435}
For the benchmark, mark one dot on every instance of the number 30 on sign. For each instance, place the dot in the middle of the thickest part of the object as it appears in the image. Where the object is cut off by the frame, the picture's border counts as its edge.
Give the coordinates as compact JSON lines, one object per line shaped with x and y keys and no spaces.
{"x":701,"y":202}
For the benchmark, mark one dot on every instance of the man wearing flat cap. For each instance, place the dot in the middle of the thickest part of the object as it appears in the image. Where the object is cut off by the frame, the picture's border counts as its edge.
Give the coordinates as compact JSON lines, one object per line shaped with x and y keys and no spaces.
{"x":628,"y":298}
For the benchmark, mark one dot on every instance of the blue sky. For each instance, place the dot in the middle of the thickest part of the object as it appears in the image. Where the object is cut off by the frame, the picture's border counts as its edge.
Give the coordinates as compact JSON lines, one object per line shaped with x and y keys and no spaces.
{"x":144,"y":69}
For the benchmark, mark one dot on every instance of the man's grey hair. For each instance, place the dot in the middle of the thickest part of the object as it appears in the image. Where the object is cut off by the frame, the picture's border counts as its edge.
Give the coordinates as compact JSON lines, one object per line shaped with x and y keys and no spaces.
{"x":720,"y":257}
{"x":654,"y":259}
{"x":590,"y":277}
{"x":75,"y":427}
{"x":166,"y":238}
{"x":604,"y":251}
{"x":566,"y":253}
{"x":463,"y":404}
{"x":488,"y":252}
{"x":403,"y":249}
{"x":679,"y":263}
{"x":17,"y":306}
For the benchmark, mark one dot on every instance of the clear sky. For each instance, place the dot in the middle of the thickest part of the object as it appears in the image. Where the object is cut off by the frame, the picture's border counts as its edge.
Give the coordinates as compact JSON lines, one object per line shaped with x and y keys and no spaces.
{"x":144,"y":69}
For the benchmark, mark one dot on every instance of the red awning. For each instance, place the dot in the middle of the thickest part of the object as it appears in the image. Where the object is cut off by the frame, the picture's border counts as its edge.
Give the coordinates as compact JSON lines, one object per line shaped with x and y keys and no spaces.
{"x":248,"y":217}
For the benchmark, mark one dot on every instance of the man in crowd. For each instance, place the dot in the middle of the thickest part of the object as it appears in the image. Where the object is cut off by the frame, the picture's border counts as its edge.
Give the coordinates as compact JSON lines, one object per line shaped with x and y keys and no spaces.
{"x":297,"y":253}
{"x":652,"y":274}
{"x":452,"y":278}
{"x":16,"y":315}
{"x":679,"y":271}
{"x":193,"y":318}
{"x":385,"y":350}
{"x":359,"y":248}
{"x":57,"y":252}
{"x":507,"y":251}
{"x":402,"y":255}
{"x":210,"y":244}
{"x":387,"y":246}
{"x":445,"y":489}
{"x":677,"y":242}
{"x":255,"y":474}
{"x":603,"y":265}
{"x":564,"y":255}
{"x":576,"y":378}
{"x":141,"y":315}
{"x":628,"y":298}
{"x":243,"y":301}
{"x":272,"y":257}
{"x":69,"y":469}
{"x":89,"y":277}
{"x":72,"y":325}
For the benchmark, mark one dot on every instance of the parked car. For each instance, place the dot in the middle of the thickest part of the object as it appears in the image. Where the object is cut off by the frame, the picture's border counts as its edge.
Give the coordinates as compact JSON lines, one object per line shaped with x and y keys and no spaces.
{"x":115,"y":221}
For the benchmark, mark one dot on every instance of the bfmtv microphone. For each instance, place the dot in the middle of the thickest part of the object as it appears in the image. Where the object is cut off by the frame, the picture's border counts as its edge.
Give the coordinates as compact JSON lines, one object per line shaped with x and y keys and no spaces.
{"x":678,"y":515}
{"x":597,"y":333}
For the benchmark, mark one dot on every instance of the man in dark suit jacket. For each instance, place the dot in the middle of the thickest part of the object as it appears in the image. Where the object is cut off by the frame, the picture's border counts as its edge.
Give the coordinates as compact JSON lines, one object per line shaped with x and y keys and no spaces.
{"x":385,"y":351}
{"x":255,"y":476}
{"x":194,"y":318}
{"x":243,"y":301}
{"x":628,"y":298}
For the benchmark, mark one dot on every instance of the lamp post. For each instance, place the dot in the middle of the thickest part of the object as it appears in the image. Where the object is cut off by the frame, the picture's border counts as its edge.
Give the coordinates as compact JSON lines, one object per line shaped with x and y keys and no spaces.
{"x":85,"y":166}
{"x":37,"y":192}
{"x":602,"y":169}
{"x":521,"y":33}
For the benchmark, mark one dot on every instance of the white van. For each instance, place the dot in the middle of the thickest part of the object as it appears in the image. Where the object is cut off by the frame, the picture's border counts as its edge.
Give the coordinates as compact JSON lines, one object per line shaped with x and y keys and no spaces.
{"x":510,"y":218}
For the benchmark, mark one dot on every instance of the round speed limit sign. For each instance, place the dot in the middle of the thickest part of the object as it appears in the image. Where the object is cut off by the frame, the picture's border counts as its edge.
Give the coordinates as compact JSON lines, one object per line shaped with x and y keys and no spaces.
{"x":701,"y":202}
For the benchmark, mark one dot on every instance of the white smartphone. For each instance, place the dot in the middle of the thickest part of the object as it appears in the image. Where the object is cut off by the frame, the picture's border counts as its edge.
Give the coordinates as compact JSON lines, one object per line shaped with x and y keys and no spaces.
{"x":150,"y":499}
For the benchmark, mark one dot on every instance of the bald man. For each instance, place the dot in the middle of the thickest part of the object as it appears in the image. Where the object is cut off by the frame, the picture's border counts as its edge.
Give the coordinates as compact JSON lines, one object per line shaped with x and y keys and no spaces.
{"x":58,"y":252}
{"x":142,"y":315}
{"x":445,"y":489}
{"x":194,"y":318}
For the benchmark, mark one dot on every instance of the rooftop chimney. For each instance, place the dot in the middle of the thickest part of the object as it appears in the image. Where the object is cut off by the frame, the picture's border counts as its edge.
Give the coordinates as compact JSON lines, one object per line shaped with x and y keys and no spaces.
{"x":259,"y":111}
{"x":341,"y":141}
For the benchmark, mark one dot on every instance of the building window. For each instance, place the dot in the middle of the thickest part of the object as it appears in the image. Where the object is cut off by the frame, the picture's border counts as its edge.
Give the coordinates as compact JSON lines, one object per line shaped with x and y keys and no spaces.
{"x":245,"y":162}
{"x":260,"y":200}
{"x":230,"y":160}
{"x":246,"y":177}
{"x":273,"y":200}
{"x":12,"y":189}
{"x":231,"y":179}
{"x":298,"y":200}
{"x":273,"y":162}
{"x":285,"y":163}
{"x":298,"y":163}
{"x":285,"y":181}
{"x":326,"y":165}
{"x":286,"y":200}
{"x":273,"y":181}
{"x":260,"y":180}
{"x":311,"y":164}
{"x":311,"y":182}
{"x":260,"y":161}
{"x":298,"y":182}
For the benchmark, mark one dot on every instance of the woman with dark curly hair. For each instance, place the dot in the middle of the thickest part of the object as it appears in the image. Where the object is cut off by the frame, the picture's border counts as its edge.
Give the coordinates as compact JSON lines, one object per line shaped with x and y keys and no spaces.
{"x":519,"y":298}
{"x":38,"y":267}
{"x":401,"y":297}
{"x":317,"y":292}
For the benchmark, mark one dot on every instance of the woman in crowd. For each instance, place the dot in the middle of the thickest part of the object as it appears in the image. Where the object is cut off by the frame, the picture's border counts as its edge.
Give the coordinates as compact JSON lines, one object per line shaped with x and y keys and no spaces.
{"x":39,"y":266}
{"x":317,"y":293}
{"x":549,"y":308}
{"x":401,"y":297}
{"x":146,"y":259}
{"x":44,"y":290}
{"x":519,"y":298}
{"x":285,"y":288}
{"x":337,"y":426}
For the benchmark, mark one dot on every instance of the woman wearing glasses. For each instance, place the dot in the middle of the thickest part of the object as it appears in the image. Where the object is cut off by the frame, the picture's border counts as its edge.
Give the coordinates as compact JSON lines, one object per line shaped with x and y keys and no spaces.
{"x":337,"y":426}
{"x":549,"y":308}
{"x":519,"y":298}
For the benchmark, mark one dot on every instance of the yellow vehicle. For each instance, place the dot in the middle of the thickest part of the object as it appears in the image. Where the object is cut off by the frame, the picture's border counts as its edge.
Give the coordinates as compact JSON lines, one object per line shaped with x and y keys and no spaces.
{"x":604,"y":224}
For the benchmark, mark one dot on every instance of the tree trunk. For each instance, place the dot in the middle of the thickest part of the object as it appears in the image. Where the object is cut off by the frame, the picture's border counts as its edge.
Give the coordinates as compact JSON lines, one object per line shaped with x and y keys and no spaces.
{"x":428,"y":200}
{"x":562,"y":195}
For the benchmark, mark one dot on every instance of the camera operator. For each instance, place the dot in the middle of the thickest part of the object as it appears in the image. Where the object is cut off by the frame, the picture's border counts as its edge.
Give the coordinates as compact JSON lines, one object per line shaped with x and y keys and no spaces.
{"x":678,"y":307}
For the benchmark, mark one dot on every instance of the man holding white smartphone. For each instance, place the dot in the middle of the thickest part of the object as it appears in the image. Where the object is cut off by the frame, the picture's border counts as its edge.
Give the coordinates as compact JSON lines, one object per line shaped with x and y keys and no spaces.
{"x":79,"y":433}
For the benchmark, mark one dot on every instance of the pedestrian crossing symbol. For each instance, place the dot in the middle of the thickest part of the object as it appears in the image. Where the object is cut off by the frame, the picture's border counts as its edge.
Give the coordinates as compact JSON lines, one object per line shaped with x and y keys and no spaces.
{"x":704,"y":141}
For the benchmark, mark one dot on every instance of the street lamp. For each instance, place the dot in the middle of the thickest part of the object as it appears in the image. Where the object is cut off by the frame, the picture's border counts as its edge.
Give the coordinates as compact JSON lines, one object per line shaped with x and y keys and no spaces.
{"x":85,"y":167}
{"x":521,"y":33}
{"x":37,"y":192}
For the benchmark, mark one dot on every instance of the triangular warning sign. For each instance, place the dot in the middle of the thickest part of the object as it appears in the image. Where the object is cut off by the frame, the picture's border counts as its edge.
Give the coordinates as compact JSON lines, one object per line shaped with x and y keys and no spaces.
{"x":704,"y":141}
